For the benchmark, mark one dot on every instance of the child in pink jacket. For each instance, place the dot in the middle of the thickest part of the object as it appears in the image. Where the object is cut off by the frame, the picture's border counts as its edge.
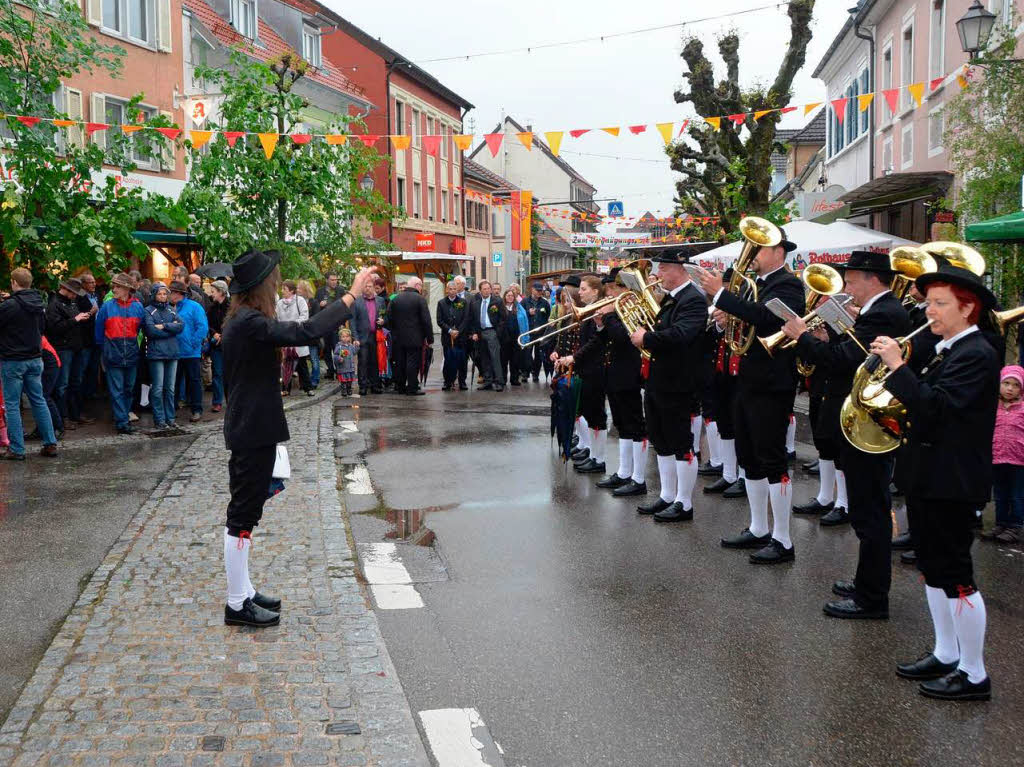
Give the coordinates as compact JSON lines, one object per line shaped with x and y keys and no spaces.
{"x":1008,"y":458}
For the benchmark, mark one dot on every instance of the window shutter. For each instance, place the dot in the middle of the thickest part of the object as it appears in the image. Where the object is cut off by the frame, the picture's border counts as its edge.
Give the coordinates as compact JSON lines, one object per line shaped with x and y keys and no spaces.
{"x":167,"y":160}
{"x":98,"y":114}
{"x":73,"y":107}
{"x":94,"y":11}
{"x":163,"y":25}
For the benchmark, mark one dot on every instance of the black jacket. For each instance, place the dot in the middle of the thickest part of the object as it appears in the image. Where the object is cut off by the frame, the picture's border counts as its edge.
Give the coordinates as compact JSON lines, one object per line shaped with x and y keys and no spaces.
{"x":22,"y":321}
{"x":62,"y":331}
{"x":624,"y":368}
{"x":676,"y":342}
{"x":324,"y":293}
{"x":215,"y":315}
{"x":495,"y":312}
{"x":360,"y":324}
{"x":541,"y":311}
{"x":841,"y":357}
{"x":951,"y":414}
{"x":590,"y":359}
{"x":254,"y":416}
{"x":453,"y":315}
{"x":759,"y":370}
{"x":409,"y":320}
{"x":88,"y":326}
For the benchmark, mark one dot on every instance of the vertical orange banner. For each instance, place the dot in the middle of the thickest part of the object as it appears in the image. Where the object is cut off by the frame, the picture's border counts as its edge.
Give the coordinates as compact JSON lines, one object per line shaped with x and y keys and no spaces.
{"x":516,"y":229}
{"x":525,"y":218}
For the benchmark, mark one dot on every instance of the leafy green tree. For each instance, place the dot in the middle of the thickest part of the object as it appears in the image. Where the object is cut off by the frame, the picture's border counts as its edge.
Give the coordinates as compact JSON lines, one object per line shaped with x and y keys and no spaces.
{"x":305,"y":200}
{"x":52,"y":216}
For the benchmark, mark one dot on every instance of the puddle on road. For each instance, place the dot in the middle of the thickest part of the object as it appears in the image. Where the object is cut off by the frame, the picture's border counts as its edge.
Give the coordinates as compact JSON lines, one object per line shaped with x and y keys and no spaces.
{"x":407,"y":525}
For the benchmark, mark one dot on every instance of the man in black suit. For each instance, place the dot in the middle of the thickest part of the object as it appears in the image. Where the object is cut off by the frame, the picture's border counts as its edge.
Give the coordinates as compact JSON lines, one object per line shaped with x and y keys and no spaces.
{"x":409,"y":322}
{"x":765,"y":390}
{"x":327,"y":293}
{"x":453,"y":320}
{"x":868,"y":277}
{"x":538,"y":312}
{"x":675,"y":346}
{"x":486,"y":315}
{"x":368,"y":314}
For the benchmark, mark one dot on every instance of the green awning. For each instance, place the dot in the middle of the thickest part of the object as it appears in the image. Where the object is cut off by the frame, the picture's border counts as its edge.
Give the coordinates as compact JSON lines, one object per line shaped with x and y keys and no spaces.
{"x":1008,"y":228}
{"x":165,"y":238}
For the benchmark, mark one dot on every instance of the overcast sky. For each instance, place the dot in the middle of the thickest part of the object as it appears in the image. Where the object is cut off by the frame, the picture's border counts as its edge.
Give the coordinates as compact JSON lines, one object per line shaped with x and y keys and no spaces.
{"x":622,"y":81}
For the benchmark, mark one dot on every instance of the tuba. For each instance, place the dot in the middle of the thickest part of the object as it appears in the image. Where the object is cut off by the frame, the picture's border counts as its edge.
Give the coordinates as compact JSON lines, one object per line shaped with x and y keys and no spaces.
{"x":909,"y":263}
{"x":758,"y":233}
{"x":820,"y":280}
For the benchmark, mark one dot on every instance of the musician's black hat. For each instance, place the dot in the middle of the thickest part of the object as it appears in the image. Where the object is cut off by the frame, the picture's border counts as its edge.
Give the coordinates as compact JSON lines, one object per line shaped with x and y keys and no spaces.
{"x":572,"y":281}
{"x":868,"y":261}
{"x":961,"y":277}
{"x":785,"y":244}
{"x":676,"y":256}
{"x":609,"y":278}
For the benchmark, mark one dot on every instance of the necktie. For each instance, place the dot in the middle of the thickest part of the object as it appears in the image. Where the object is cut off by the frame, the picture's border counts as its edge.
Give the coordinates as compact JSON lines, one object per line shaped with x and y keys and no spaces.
{"x":483,"y":313}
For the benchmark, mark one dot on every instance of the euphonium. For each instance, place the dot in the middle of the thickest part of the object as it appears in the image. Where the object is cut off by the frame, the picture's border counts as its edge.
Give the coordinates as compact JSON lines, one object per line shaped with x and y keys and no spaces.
{"x":820,"y":280}
{"x":758,"y":233}
{"x":957,"y":254}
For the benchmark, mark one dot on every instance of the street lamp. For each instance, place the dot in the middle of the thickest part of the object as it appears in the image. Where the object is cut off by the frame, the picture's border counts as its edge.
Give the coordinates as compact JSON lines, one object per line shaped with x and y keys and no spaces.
{"x":366,"y":183}
{"x":974,"y":28}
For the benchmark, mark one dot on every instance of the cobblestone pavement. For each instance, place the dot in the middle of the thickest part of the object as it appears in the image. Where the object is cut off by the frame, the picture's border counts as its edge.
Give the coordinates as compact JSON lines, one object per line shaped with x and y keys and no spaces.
{"x":143,"y":671}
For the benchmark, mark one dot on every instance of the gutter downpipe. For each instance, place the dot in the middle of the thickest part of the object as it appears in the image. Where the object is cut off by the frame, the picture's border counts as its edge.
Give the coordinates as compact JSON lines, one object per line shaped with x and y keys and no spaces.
{"x":387,"y":117}
{"x":871,"y":85}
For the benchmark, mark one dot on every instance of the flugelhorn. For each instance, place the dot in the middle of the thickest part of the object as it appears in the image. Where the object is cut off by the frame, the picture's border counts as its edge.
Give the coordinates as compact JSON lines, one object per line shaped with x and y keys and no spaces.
{"x":758,"y":233}
{"x":820,"y":280}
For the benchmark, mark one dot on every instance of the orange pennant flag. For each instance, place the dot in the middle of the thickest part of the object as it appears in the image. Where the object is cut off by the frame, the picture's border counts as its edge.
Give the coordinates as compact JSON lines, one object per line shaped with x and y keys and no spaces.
{"x":269,"y":141}
{"x":199,"y":137}
{"x":336,"y":139}
{"x":526,"y":137}
{"x":130,"y":128}
{"x":63,"y":123}
{"x":463,"y":141}
{"x":864,"y":101}
{"x":611,"y":131}
{"x":401,"y":142}
{"x":961,"y":78}
{"x":808,"y":108}
{"x":917,"y":91}
{"x":714,"y":122}
{"x":761,"y":113}
{"x":665,"y":129}
{"x":554,"y":139}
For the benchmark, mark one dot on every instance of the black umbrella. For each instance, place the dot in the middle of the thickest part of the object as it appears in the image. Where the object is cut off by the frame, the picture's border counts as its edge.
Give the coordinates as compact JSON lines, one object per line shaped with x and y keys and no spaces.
{"x":216,"y":271}
{"x":425,"y":361}
{"x":565,"y":396}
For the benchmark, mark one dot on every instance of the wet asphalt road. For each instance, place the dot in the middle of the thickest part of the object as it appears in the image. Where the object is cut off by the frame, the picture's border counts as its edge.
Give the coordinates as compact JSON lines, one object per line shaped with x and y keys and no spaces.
{"x":585,"y":634}
{"x":58,"y":519}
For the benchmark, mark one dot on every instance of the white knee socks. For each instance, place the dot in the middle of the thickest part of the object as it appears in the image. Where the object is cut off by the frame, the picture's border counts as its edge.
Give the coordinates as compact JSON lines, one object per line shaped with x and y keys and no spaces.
{"x":969,"y":621}
{"x":667,"y":475}
{"x":236,"y":566}
{"x":842,"y":501}
{"x":899,"y":510}
{"x":946,"y":650}
{"x":791,"y":434}
{"x":696,"y":423}
{"x":639,"y":461}
{"x":599,"y":438}
{"x":782,"y":509}
{"x":686,"y":478}
{"x":625,"y":469}
{"x":714,"y":443}
{"x":729,"y":460}
{"x":583,"y":432}
{"x":826,"y":481}
{"x":757,"y":496}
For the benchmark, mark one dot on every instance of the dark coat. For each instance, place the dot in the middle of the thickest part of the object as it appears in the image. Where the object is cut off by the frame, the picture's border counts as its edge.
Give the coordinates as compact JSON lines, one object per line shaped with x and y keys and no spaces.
{"x":89,"y":325}
{"x":590,"y":358}
{"x":215,"y":315}
{"x":323,"y":293}
{"x":951,"y":415}
{"x":495,"y":309}
{"x":676,"y":343}
{"x":409,"y":320}
{"x":541,"y":311}
{"x":451,"y":316}
{"x":254,"y":416}
{"x":22,"y":321}
{"x":759,"y":370}
{"x":360,"y":323}
{"x":162,"y":344}
{"x":62,"y":330}
{"x":841,"y":357}
{"x":624,"y":372}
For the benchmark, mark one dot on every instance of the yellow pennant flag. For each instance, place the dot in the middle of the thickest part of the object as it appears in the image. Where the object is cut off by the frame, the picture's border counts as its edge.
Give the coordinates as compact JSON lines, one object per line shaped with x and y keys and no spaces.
{"x":269,"y":141}
{"x":761,"y":113}
{"x":714,"y":122}
{"x":808,"y":108}
{"x":336,"y":139}
{"x":611,"y":131}
{"x":961,"y":78}
{"x":63,"y":123}
{"x":665,"y":129}
{"x":463,"y":141}
{"x":199,"y":137}
{"x":131,"y":128}
{"x":526,"y":137}
{"x":401,"y":142}
{"x":917,"y":91}
{"x":864,"y":101}
{"x":554,"y":139}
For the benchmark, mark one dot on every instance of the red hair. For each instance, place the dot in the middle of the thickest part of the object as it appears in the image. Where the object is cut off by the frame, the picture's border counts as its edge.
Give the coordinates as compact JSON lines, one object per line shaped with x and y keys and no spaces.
{"x":963,"y":297}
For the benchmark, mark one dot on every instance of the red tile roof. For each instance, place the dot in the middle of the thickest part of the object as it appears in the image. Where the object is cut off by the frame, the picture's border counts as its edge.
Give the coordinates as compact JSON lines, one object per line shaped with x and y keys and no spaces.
{"x":273,"y":45}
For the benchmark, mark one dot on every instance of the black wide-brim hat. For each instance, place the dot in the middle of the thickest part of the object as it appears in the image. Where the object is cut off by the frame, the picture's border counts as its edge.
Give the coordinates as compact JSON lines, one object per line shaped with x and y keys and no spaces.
{"x":74,"y":285}
{"x":252,"y":268}
{"x":609,"y":278}
{"x":868,"y":261}
{"x":572,"y":281}
{"x":785,"y":243}
{"x":671,"y":257}
{"x":961,"y":277}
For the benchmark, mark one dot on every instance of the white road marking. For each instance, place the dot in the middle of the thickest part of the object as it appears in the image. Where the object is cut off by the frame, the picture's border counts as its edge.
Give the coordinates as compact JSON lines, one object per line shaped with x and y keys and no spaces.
{"x":458,"y":737}
{"x":396,"y":597}
{"x":389,"y":581}
{"x":357,"y":481}
{"x":348,"y":426}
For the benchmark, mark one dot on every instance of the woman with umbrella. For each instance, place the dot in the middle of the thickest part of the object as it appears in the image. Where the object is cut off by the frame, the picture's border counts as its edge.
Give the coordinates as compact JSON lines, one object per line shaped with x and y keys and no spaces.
{"x":254,"y":421}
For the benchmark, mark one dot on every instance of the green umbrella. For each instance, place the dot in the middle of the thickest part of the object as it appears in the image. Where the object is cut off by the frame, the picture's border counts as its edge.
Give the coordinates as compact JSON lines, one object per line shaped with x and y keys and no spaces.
{"x":1008,"y":228}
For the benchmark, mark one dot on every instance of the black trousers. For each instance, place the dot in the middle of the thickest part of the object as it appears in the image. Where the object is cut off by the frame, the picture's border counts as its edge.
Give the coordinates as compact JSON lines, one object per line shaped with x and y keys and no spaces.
{"x":761,"y":420}
{"x":249,"y":475}
{"x":668,"y":423}
{"x":942,"y":533}
{"x":405,"y":367}
{"x":535,"y":357}
{"x":302,"y":368}
{"x":628,"y":414}
{"x":369,"y":374}
{"x":592,"y":402}
{"x":813,"y":409}
{"x":510,"y":358}
{"x":828,"y":436}
{"x":870,"y":516}
{"x":724,"y":390}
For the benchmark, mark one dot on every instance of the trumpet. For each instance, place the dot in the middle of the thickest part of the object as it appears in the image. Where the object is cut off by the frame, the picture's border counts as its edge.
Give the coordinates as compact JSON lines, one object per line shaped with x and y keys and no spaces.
{"x":820,"y":280}
{"x":758,"y":233}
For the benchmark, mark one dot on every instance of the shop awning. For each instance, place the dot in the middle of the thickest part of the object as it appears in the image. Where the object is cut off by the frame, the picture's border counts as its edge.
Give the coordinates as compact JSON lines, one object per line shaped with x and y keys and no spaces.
{"x":1008,"y":228}
{"x":896,"y":188}
{"x":165,"y":238}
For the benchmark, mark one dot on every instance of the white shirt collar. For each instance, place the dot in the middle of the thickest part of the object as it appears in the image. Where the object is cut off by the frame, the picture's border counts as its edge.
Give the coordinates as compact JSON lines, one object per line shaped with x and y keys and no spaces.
{"x":763,"y":277}
{"x":675,"y":292}
{"x":871,"y":301}
{"x":945,"y":344}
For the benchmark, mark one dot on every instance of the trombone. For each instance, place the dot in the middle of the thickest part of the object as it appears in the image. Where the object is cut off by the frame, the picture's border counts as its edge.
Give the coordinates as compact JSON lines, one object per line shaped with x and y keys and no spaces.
{"x":579,"y":316}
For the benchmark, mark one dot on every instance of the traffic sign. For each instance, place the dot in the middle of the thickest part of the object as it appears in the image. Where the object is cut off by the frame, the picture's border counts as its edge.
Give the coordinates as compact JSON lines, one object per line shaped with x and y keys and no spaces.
{"x":496,"y":258}
{"x":615,"y":209}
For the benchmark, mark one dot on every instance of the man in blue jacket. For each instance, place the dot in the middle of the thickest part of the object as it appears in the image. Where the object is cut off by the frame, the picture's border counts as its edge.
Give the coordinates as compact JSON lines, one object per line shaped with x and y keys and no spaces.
{"x":118,"y":323}
{"x":190,"y":347}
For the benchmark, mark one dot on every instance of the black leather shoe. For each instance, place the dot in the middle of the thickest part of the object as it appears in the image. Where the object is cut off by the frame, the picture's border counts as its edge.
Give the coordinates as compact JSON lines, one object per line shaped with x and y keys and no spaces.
{"x":710,"y":470}
{"x":773,"y":554}
{"x":902,"y":542}
{"x":630,"y":488}
{"x":956,"y":686}
{"x":847,"y":608}
{"x":837,"y":516}
{"x":718,"y":486}
{"x":925,"y":667}
{"x":654,"y":508}
{"x":674,"y":513}
{"x":612,"y":482}
{"x":844,"y":589}
{"x":746,"y":540}
{"x":485,"y":387}
{"x":908,"y":557}
{"x":812,"y":507}
{"x":815,"y":470}
{"x":590,"y":466}
{"x":463,"y":387}
{"x":251,"y":614}
{"x":417,"y":393}
{"x":737,"y":489}
{"x":580,"y":453}
{"x":499,"y":387}
{"x":267,"y":603}
{"x":808,"y":465}
{"x":575,"y":441}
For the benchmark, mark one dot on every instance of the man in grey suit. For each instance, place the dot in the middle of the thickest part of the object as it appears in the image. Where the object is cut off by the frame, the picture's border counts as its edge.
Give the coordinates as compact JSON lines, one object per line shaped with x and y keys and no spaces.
{"x":367,"y":315}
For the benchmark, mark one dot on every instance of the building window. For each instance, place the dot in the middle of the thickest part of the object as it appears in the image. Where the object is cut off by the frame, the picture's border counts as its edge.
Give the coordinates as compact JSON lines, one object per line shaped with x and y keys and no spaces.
{"x":935,"y":126}
{"x":850,"y":117}
{"x":887,"y":72}
{"x":494,"y":222}
{"x":129,"y":18}
{"x":311,"y":44}
{"x":243,"y":17}
{"x":445,"y":138}
{"x":401,"y":196}
{"x":865,"y":87}
{"x":399,"y":118}
{"x":430,"y":202}
{"x":457,"y":205}
{"x":415,"y":129}
{"x":1001,"y":8}
{"x":444,"y":206}
{"x":145,"y":146}
{"x":907,"y":147}
{"x":937,"y":43}
{"x":907,"y":66}
{"x":417,"y":199}
{"x":887,"y":165}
